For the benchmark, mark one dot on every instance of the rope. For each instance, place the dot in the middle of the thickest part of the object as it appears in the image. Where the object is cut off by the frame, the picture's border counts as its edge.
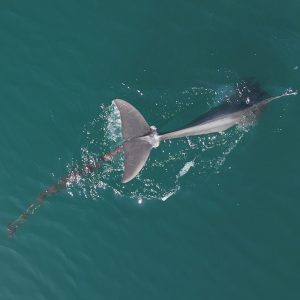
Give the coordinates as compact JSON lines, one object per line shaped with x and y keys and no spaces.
{"x":57,"y":187}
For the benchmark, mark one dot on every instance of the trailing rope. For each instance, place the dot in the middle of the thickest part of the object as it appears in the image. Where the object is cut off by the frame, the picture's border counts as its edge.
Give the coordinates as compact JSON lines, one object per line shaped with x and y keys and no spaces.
{"x":57,"y":187}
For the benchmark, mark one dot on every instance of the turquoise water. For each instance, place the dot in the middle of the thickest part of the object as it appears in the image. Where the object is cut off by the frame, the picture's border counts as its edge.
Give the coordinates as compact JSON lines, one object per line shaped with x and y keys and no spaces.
{"x":209,"y":218}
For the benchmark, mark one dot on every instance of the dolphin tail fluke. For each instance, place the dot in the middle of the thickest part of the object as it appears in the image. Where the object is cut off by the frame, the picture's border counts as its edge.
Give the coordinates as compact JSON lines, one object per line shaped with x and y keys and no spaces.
{"x":133,"y":123}
{"x":136,"y":154}
{"x":137,"y":145}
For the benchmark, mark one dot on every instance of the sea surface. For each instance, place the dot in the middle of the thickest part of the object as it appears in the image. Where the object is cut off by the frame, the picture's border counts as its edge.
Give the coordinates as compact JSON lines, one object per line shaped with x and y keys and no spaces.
{"x":213,"y":217}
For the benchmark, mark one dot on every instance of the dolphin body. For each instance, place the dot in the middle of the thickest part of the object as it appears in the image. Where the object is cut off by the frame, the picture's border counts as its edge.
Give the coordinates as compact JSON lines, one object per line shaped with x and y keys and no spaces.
{"x":242,"y":108}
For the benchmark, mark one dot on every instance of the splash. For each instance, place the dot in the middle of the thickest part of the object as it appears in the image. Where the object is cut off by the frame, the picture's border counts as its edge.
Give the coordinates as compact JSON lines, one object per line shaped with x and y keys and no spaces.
{"x":161,"y":178}
{"x":186,"y":168}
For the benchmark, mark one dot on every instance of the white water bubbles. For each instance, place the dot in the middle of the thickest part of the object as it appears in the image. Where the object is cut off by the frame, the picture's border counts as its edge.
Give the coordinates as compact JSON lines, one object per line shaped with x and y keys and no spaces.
{"x":161,"y":177}
{"x":99,"y":136}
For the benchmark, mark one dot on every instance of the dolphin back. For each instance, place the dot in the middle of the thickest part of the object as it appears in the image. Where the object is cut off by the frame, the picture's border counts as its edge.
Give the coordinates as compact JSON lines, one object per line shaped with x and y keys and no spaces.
{"x":246,"y":93}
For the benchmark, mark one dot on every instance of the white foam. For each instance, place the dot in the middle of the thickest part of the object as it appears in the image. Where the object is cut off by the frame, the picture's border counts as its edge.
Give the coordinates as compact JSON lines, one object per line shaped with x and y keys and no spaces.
{"x":186,"y":168}
{"x":171,"y":193}
{"x":156,"y":181}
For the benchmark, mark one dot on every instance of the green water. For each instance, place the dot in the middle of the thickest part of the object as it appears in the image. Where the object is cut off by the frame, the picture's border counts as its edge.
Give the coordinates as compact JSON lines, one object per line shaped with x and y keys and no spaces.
{"x":229,"y":226}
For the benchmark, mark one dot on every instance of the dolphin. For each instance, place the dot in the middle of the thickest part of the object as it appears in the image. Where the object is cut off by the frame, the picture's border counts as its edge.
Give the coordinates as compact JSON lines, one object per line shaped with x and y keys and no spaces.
{"x":242,"y":108}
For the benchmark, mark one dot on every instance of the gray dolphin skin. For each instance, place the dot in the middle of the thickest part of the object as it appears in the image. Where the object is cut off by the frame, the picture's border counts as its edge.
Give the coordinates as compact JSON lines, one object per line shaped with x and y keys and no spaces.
{"x":242,"y":108}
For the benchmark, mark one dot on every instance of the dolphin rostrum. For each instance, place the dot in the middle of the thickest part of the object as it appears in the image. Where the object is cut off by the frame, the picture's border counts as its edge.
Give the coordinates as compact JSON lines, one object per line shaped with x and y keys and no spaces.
{"x":241,"y":108}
